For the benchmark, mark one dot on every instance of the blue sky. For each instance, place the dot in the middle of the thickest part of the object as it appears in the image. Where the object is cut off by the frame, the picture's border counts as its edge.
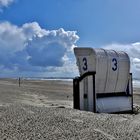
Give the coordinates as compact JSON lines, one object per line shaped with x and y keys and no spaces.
{"x":98,"y":23}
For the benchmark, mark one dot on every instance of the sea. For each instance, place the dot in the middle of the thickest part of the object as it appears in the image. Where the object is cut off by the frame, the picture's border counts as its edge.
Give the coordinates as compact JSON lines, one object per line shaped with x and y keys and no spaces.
{"x":50,"y":78}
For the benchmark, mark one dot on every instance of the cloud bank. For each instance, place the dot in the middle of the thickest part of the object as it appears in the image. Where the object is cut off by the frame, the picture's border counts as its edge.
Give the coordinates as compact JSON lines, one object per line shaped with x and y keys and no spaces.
{"x":30,"y":48}
{"x":133,"y":51}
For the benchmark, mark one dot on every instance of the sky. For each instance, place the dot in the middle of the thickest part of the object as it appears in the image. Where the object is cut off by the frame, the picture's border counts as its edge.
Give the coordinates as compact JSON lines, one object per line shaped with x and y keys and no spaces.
{"x":37,"y":37}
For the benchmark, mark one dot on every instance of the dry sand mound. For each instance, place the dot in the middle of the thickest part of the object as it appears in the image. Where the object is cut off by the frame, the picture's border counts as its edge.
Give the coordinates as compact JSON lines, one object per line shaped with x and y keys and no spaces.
{"x":22,"y":122}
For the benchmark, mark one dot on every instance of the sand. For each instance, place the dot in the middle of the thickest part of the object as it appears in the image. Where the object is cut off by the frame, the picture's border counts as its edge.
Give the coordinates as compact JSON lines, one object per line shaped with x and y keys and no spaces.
{"x":44,"y":110}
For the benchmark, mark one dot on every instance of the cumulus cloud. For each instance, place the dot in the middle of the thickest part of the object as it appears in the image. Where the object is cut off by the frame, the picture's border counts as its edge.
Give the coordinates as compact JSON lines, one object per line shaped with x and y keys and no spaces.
{"x":52,"y":47}
{"x":133,"y":50}
{"x":31,"y":48}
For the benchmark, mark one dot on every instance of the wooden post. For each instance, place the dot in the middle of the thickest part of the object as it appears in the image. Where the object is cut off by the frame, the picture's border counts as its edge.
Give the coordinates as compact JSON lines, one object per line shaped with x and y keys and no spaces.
{"x":94,"y":94}
{"x":19,"y":80}
{"x":76,"y":94}
{"x":131,"y":86}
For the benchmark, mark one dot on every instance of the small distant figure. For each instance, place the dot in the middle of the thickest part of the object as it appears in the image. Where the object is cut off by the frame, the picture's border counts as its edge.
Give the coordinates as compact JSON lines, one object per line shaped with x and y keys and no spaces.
{"x":19,"y":80}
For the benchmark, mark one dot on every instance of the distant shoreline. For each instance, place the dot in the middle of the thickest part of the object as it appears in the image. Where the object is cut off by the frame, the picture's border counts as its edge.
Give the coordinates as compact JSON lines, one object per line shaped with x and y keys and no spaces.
{"x":136,"y":82}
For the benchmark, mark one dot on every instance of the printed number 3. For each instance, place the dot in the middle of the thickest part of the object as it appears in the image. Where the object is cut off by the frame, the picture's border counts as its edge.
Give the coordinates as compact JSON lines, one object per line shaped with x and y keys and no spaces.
{"x":85,"y":64}
{"x":114,"y":60}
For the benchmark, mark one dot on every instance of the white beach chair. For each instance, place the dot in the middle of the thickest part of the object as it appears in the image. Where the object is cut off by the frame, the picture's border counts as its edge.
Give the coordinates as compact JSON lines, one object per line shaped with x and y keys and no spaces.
{"x":105,"y":82}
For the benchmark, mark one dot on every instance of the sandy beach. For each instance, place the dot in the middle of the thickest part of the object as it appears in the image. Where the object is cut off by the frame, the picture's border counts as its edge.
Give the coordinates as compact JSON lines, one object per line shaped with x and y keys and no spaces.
{"x":41,"y":109}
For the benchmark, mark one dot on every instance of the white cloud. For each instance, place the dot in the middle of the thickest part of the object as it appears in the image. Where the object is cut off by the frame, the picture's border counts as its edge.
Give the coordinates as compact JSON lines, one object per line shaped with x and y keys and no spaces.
{"x":133,"y":50}
{"x":52,"y":47}
{"x":12,"y":38}
{"x":32,"y":30}
{"x":30,"y":48}
{"x":5,"y":3}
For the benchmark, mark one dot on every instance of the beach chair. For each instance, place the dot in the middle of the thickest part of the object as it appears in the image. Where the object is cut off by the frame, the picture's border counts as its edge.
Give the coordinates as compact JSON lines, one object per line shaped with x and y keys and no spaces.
{"x":105,"y":81}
